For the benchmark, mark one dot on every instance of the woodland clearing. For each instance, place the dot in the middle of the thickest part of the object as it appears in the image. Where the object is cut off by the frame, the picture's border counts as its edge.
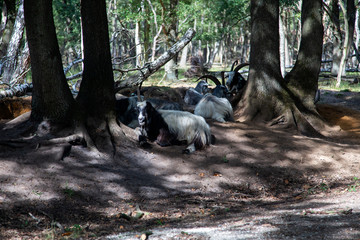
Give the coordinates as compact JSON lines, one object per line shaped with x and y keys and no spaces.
{"x":254,"y":183}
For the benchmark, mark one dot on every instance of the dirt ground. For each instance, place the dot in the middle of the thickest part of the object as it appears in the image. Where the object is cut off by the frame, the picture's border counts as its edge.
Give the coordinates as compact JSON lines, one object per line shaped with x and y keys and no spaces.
{"x":254,"y":183}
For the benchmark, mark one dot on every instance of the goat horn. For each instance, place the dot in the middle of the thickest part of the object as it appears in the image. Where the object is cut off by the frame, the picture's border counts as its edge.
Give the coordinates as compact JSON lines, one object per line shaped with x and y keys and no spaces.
{"x":138,"y":92}
{"x":233,"y":65}
{"x":223,"y":77}
{"x":238,"y":67}
{"x":214,"y":79}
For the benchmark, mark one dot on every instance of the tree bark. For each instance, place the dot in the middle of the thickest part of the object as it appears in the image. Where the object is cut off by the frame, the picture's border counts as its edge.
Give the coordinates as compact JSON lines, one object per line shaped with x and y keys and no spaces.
{"x":51,"y":97}
{"x":96,"y":94}
{"x":9,"y":25}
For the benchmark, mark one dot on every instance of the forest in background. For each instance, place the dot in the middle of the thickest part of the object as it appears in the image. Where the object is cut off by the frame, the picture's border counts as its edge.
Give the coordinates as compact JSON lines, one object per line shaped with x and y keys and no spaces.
{"x":141,"y":30}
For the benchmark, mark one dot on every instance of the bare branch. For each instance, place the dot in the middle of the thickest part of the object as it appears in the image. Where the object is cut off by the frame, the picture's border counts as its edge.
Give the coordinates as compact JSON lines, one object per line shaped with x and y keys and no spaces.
{"x":152,"y":67}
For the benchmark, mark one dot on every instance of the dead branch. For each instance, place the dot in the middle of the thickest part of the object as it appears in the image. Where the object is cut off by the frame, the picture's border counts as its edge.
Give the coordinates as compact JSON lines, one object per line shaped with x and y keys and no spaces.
{"x":18,"y":90}
{"x":67,"y":69}
{"x":152,"y":67}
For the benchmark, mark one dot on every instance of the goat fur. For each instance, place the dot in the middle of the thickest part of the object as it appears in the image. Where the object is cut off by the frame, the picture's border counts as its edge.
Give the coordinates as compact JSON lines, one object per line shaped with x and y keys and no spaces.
{"x":215,"y":108}
{"x":192,"y":97}
{"x":168,"y":127}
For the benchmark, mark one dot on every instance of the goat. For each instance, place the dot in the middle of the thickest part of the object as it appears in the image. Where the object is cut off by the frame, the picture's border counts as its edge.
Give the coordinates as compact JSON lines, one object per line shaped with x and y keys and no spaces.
{"x":235,"y":80}
{"x":215,"y":108}
{"x":202,"y":87}
{"x":169,"y":127}
{"x":220,"y":90}
{"x":127,"y":110}
{"x":193,"y":95}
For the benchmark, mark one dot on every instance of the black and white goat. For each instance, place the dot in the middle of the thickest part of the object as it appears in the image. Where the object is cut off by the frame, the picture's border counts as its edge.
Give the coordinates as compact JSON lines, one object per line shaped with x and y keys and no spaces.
{"x":215,"y":108}
{"x":216,"y":105}
{"x":127,"y":110}
{"x":235,"y":81}
{"x":168,"y":127}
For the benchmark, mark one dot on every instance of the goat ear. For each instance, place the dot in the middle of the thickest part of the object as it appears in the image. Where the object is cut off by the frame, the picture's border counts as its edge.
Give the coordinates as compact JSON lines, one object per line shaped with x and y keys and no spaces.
{"x":148,"y":105}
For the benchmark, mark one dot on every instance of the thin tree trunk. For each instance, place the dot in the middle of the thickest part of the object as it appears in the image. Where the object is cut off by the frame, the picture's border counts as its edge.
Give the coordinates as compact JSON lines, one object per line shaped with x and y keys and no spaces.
{"x":349,"y":21}
{"x":138,"y":45}
{"x":212,"y":55}
{"x":14,"y":45}
{"x":282,"y":47}
{"x":337,"y":38}
{"x":183,"y":58}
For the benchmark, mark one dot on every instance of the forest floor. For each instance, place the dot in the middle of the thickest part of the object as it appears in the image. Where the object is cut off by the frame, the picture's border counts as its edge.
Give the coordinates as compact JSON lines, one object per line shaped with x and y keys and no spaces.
{"x":254,"y":183}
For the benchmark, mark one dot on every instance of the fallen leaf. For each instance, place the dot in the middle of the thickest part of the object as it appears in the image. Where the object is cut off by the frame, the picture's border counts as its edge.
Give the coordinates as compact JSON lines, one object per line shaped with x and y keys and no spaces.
{"x":217,"y":174}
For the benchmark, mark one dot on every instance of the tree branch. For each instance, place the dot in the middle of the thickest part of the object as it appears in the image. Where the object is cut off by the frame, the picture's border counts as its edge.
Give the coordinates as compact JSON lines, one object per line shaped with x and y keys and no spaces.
{"x":152,"y":67}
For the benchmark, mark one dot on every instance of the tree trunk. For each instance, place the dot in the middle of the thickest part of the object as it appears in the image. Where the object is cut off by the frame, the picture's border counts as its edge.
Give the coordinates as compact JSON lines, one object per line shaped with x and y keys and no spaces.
{"x":357,"y":39}
{"x":282,"y":47}
{"x":146,"y":31}
{"x":13,"y":48}
{"x":212,"y":55}
{"x":171,"y":37}
{"x":349,"y":22}
{"x":138,"y":45}
{"x":96,"y":94}
{"x":267,"y":97}
{"x":51,"y":97}
{"x":183,"y":58}
{"x":10,"y":20}
{"x":337,"y":38}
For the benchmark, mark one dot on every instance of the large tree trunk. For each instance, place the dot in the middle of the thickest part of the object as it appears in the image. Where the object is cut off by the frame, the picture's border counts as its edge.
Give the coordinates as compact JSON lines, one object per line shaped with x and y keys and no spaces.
{"x":96,"y":95}
{"x":267,"y":97}
{"x":51,"y":97}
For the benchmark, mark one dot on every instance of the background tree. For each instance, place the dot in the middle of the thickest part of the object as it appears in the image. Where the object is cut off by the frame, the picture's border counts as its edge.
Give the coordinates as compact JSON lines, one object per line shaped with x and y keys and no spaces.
{"x":8,"y":20}
{"x":13,"y":48}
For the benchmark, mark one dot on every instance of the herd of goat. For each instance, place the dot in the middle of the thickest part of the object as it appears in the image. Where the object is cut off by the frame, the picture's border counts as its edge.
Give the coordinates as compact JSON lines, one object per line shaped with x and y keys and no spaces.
{"x":166,"y":122}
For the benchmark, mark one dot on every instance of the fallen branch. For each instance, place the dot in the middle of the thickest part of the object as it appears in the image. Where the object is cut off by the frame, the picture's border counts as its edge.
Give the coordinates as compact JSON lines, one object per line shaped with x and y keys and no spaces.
{"x":18,"y":90}
{"x":152,"y":67}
